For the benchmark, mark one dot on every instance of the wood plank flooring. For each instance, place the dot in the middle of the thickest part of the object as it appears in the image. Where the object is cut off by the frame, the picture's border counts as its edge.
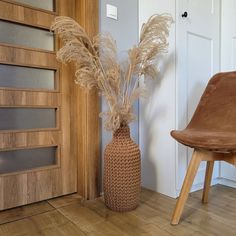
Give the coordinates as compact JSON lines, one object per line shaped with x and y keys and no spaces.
{"x":70,"y":215}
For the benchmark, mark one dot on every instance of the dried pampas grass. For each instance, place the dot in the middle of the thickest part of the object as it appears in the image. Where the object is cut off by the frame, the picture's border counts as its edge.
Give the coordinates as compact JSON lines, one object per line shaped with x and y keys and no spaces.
{"x":97,"y":65}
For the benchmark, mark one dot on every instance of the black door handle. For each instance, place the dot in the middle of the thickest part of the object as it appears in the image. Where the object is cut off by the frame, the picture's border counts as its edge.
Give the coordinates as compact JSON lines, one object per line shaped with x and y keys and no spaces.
{"x":185,"y":14}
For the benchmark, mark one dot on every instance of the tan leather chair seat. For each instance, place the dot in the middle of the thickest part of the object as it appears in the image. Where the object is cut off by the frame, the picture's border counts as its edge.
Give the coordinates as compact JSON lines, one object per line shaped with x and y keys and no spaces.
{"x":209,"y":140}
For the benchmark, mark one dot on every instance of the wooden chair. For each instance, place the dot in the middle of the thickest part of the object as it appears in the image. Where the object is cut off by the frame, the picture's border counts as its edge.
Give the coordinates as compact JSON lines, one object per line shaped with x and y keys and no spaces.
{"x":212,"y":134}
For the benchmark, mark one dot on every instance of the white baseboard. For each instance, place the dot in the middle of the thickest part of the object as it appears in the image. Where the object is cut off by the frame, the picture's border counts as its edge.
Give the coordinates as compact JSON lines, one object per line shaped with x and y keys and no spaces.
{"x":199,"y":186}
{"x":227,"y":182}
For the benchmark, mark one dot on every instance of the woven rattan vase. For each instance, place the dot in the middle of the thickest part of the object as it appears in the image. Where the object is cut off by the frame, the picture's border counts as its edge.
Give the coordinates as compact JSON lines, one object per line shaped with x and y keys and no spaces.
{"x":122,"y":172}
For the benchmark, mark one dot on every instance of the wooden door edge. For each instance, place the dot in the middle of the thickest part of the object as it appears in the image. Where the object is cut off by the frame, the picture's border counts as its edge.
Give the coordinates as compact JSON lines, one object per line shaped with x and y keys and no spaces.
{"x":88,"y":180}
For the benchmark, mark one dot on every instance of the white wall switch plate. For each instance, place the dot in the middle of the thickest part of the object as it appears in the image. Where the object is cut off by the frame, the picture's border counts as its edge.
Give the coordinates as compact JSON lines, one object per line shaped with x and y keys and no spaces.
{"x":112,"y":12}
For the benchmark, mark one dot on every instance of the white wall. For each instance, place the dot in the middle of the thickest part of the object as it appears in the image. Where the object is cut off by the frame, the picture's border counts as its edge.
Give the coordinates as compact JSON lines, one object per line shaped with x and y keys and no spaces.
{"x":158,"y":113}
{"x":228,"y":63}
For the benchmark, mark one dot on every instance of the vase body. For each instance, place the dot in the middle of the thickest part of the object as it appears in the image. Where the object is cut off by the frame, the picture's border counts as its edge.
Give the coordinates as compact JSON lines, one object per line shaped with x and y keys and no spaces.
{"x":122,"y":172}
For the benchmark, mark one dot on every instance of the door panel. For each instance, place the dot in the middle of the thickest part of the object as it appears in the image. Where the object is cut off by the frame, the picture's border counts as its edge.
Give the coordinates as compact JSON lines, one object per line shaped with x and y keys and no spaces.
{"x":198,"y":60}
{"x":198,"y":71}
{"x":228,"y":60}
{"x":35,"y":119}
{"x":202,"y":47}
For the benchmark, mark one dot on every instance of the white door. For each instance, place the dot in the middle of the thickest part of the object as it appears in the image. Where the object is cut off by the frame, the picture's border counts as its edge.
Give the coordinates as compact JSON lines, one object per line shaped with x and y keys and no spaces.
{"x":228,"y":60}
{"x":198,"y":59}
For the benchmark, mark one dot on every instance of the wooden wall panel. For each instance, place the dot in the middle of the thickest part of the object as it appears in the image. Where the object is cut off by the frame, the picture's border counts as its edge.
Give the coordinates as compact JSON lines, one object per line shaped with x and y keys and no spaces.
{"x":69,"y":181}
{"x":27,"y":57}
{"x":87,"y":15}
{"x":25,"y":15}
{"x":84,"y":107}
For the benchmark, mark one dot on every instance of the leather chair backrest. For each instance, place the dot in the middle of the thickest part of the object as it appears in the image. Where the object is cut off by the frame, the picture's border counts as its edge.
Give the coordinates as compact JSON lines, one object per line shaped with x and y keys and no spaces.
{"x":216,"y":110}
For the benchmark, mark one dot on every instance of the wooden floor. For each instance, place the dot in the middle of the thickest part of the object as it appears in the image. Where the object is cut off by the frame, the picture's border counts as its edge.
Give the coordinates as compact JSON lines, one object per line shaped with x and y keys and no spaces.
{"x":70,"y":215}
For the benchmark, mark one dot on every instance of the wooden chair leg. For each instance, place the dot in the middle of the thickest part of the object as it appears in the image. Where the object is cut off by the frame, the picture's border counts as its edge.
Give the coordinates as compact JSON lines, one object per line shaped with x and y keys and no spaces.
{"x":207,"y":183}
{"x":188,"y":181}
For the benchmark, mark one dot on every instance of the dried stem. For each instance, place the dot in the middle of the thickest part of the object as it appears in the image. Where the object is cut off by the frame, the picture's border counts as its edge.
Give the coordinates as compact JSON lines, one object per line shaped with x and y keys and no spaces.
{"x":97,"y":64}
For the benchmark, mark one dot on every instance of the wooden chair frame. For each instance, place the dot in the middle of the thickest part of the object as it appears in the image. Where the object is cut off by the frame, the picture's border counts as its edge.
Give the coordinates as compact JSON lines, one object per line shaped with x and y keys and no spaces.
{"x":198,"y":156}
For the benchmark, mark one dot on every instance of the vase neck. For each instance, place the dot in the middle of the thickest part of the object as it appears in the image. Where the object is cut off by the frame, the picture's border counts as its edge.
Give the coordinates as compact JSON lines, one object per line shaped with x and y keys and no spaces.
{"x":122,"y":132}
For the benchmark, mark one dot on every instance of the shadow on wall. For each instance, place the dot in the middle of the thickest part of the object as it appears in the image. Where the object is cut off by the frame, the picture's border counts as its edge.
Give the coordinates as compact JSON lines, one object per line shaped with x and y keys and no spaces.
{"x":150,"y":115}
